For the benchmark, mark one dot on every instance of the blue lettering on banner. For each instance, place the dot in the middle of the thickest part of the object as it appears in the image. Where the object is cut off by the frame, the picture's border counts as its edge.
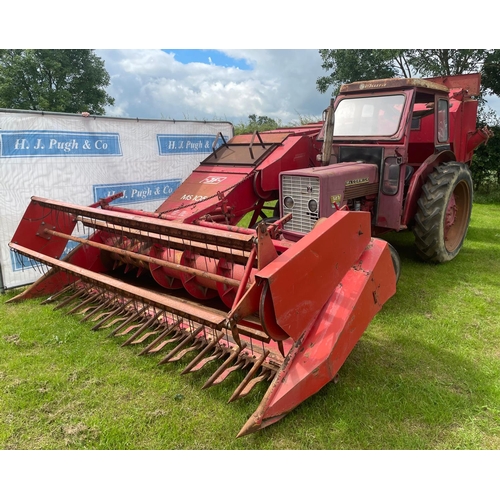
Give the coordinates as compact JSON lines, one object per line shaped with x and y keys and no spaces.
{"x":21,"y":262}
{"x":176,"y":144}
{"x":37,"y":143}
{"x":137,"y":192}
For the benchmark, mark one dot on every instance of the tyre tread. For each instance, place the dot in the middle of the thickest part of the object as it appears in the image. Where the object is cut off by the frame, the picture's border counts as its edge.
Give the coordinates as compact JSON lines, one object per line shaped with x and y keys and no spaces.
{"x":433,"y":201}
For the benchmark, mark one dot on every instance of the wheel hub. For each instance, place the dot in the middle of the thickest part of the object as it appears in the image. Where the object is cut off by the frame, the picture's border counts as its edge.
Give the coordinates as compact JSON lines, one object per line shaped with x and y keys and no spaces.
{"x":451,"y":215}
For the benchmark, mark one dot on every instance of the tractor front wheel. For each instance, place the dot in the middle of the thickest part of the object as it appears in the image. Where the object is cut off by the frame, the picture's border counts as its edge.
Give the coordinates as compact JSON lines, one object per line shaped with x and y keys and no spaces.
{"x":443,"y":212}
{"x":396,"y":261}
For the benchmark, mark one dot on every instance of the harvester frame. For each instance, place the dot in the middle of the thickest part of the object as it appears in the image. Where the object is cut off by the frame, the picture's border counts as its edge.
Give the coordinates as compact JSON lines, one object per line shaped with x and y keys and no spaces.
{"x":288,"y":297}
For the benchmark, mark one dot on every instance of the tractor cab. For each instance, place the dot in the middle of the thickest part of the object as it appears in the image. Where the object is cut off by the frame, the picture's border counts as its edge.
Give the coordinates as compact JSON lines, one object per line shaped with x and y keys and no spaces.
{"x":399,"y":149}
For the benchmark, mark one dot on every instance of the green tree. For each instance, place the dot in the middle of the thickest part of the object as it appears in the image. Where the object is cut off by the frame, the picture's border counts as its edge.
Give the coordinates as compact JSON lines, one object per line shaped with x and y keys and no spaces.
{"x":349,"y":65}
{"x":352,"y":65}
{"x":485,"y":167}
{"x":70,"y":81}
{"x":490,"y":75}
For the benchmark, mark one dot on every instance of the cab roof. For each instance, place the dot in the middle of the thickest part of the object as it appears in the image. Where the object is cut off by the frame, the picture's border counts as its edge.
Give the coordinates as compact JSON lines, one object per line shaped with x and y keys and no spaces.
{"x":393,"y":83}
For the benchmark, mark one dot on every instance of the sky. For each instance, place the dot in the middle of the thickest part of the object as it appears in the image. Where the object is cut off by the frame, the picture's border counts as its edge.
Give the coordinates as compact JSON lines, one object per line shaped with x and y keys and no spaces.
{"x":223,"y":85}
{"x":227,"y":85}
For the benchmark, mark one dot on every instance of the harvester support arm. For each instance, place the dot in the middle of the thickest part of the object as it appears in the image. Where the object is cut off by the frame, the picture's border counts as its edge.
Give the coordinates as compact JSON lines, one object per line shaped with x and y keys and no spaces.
{"x":326,"y":152}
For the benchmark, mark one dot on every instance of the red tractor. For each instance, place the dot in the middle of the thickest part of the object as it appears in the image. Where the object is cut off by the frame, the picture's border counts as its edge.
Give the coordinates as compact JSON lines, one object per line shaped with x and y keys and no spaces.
{"x":412,"y":141}
{"x":286,"y":298}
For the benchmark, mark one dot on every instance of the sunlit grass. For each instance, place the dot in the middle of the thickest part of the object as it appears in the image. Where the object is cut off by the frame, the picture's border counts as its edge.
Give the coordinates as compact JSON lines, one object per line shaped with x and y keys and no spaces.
{"x":426,"y":375}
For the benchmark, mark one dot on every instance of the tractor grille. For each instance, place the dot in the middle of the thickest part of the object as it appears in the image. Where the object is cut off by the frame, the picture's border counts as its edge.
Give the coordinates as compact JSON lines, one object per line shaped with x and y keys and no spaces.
{"x":302,"y":190}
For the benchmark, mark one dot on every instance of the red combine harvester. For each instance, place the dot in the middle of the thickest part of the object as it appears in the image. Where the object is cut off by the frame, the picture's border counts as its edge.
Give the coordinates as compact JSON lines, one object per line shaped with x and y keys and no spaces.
{"x":288,"y":300}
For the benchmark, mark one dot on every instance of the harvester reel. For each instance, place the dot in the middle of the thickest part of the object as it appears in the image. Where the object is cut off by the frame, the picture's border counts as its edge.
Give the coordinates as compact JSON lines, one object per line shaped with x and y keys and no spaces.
{"x":443,"y":213}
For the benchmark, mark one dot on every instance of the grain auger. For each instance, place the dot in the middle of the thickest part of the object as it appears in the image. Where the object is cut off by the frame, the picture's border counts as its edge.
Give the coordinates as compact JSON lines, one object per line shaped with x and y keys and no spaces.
{"x":286,"y":312}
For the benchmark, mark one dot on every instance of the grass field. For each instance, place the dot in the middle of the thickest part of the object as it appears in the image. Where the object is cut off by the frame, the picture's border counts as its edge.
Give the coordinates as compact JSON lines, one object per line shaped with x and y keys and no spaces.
{"x":425,"y":375}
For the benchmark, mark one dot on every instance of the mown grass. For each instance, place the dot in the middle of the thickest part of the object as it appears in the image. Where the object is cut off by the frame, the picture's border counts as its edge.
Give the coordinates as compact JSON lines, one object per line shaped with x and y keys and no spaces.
{"x":425,"y":375}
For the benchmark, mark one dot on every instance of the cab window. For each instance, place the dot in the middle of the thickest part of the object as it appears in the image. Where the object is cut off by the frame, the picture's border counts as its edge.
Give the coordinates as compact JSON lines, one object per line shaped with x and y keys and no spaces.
{"x":442,"y":121}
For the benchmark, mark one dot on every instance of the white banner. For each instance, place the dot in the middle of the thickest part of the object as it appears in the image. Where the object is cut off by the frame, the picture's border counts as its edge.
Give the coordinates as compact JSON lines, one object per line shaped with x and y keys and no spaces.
{"x":80,"y":159}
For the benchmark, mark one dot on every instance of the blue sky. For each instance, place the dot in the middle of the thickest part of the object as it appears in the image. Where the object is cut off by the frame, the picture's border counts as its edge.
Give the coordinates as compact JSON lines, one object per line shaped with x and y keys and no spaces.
{"x":215,"y":57}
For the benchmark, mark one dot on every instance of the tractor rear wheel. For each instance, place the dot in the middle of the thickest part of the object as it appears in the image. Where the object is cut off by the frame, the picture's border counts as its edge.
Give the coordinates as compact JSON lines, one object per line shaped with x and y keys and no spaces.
{"x":443,"y":212}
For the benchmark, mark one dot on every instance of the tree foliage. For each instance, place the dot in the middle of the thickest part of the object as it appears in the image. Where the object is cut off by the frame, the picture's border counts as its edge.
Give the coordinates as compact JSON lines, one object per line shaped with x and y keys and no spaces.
{"x":70,"y":81}
{"x":349,"y":65}
{"x":485,"y":167}
{"x":490,"y":73}
{"x":352,"y":65}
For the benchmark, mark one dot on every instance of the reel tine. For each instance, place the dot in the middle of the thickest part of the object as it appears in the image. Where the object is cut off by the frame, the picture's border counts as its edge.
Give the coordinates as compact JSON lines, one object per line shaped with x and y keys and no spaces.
{"x":238,"y":366}
{"x":251,"y":384}
{"x":97,"y":309}
{"x":181,"y":354}
{"x":203,"y":362}
{"x":127,"y":322}
{"x":54,"y":297}
{"x":102,"y":318}
{"x":246,"y":381}
{"x":175,"y":350}
{"x":70,"y":299}
{"x":232,"y":356}
{"x":158,"y":340}
{"x":116,"y":310}
{"x":88,"y":300}
{"x":142,"y":328}
{"x":147,"y":335}
{"x":193,"y":365}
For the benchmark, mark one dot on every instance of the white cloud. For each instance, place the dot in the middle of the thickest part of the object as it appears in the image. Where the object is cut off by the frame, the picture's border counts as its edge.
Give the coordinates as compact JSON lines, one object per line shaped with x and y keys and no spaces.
{"x":152,"y":84}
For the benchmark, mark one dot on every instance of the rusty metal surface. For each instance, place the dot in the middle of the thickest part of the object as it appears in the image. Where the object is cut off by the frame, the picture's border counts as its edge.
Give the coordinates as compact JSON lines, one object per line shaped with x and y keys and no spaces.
{"x":150,"y":260}
{"x":210,"y":250}
{"x":150,"y":224}
{"x":470,"y":82}
{"x":240,"y":154}
{"x":205,"y":316}
{"x":391,"y":83}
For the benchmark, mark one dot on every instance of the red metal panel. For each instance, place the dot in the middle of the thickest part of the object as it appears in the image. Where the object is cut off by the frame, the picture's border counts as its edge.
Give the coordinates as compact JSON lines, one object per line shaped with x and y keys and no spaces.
{"x":470,"y":82}
{"x":295,"y":153}
{"x":198,"y":194}
{"x":38,"y":217}
{"x":302,"y":278}
{"x":318,"y":355}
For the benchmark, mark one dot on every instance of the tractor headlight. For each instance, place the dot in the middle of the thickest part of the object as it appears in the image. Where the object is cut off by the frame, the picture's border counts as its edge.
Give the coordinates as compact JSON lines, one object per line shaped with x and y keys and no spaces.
{"x":313,"y":206}
{"x":288,"y":202}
